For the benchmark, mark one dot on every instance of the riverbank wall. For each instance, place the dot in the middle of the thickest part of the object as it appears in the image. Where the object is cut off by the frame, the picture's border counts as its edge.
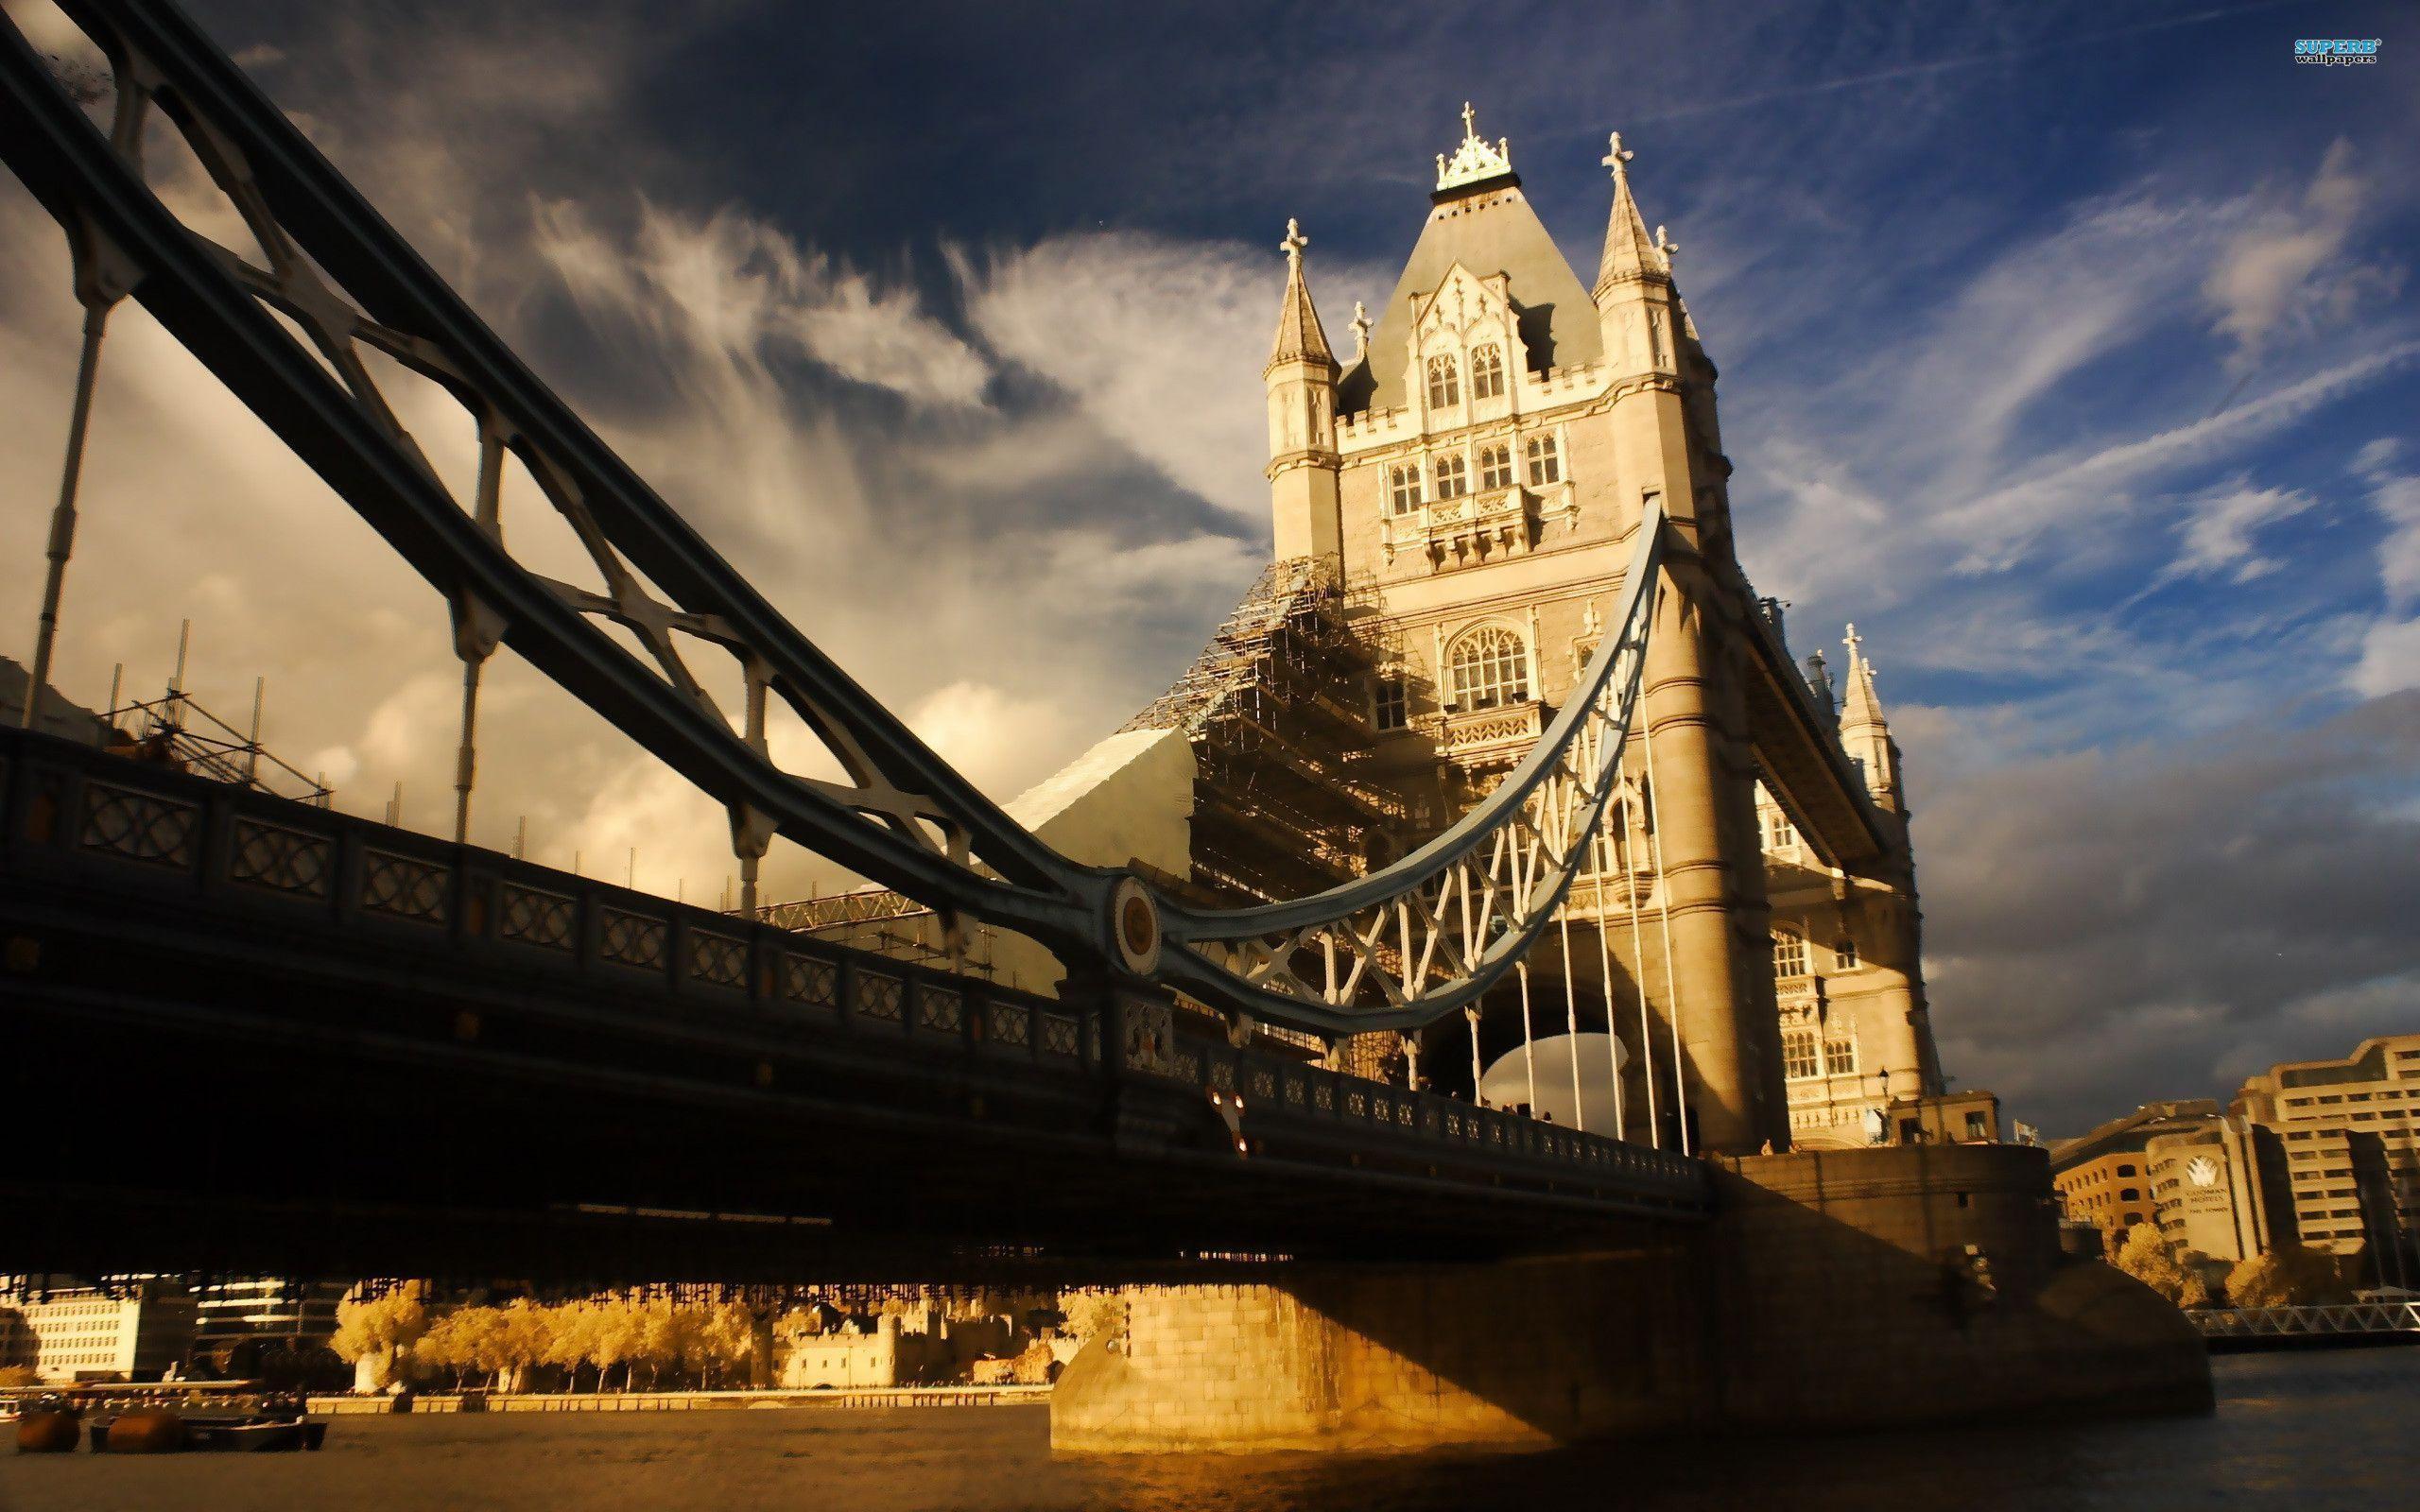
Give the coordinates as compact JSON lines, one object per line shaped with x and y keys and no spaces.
{"x":1847,"y":1289}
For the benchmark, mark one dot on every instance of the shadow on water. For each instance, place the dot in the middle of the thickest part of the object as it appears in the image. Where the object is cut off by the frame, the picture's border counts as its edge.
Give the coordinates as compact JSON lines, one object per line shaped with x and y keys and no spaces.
{"x":2335,"y":1431}
{"x":2315,"y":1431}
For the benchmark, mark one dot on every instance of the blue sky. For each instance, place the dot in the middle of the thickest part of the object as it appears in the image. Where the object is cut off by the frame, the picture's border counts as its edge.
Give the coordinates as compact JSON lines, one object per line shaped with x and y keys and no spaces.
{"x":2071,"y":351}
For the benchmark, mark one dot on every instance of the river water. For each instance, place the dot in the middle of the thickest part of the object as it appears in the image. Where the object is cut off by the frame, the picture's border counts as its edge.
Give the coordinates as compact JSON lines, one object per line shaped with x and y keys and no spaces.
{"x":2313,"y":1432}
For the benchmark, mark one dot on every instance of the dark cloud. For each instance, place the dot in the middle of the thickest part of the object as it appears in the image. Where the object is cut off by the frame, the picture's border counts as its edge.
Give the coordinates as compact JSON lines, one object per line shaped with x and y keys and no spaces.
{"x":2110,"y":926}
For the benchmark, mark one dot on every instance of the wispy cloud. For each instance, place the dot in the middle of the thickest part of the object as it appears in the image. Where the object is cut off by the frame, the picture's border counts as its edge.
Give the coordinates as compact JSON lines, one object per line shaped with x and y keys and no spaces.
{"x":2001,"y":526}
{"x":2293,"y":260}
{"x":2221,"y":528}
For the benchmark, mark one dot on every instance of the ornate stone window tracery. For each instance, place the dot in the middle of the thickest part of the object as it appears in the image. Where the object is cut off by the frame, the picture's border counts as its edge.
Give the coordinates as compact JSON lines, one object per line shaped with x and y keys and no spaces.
{"x":1403,"y":483}
{"x":1488,"y":668}
{"x":1798,"y":1054}
{"x":1546,"y":461}
{"x":1789,"y":955}
{"x":1453,"y":476}
{"x":1487,"y":372}
{"x":1496,"y":467}
{"x":1840,"y":1049}
{"x":1444,"y":382}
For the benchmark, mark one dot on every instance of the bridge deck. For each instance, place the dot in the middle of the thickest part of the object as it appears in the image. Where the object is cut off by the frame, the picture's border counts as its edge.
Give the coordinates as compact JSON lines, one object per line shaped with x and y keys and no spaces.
{"x":252,"y":1030}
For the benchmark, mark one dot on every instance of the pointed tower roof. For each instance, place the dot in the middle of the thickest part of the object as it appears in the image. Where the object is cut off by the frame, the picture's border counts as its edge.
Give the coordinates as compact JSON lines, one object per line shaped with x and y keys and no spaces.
{"x":1859,"y":708}
{"x":1630,"y":252}
{"x":1299,"y":336}
{"x":1479,"y":218}
{"x":1819,"y":683}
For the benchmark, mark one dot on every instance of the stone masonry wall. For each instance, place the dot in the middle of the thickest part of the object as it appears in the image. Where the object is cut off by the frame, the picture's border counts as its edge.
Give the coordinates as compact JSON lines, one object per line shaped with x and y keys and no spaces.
{"x":1850,"y":1296}
{"x":1833,"y":1289}
{"x":1381,"y":1359}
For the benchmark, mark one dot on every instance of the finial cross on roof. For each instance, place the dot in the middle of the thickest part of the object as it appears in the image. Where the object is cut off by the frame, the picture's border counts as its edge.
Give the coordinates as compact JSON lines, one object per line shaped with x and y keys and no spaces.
{"x":1361,"y":324}
{"x":1295,"y":241}
{"x":1665,"y":244}
{"x":1853,"y":641}
{"x":1470,"y":122}
{"x":1616,"y":155}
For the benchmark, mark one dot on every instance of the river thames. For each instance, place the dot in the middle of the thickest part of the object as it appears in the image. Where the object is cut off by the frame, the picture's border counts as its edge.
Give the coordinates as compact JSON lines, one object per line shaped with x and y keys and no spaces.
{"x":2316,"y":1432}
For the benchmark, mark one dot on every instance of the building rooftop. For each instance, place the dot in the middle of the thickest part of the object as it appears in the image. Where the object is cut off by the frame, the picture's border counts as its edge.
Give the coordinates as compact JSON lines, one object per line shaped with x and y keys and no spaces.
{"x":2366,"y":1063}
{"x":2131,"y":1131}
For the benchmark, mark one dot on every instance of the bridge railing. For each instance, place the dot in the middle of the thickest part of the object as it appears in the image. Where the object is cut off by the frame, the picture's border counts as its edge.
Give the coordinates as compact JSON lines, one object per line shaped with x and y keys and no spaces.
{"x":85,"y":830}
{"x":150,"y":837}
{"x":2288,"y":1322}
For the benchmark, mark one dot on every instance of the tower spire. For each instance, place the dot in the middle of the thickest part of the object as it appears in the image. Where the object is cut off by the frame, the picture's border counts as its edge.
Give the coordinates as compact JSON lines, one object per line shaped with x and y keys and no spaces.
{"x":1298,"y":335}
{"x":1630,"y":252}
{"x":1859,"y":707}
{"x":1865,"y":735}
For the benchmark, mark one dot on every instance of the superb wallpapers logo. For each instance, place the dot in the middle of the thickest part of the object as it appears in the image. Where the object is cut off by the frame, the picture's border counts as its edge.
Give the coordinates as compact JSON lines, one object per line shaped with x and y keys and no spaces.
{"x":2336,"y":52}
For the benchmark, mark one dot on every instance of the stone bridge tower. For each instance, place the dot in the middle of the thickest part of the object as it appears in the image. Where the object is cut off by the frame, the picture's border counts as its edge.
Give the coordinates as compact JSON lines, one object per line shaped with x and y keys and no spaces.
{"x":1476,"y":477}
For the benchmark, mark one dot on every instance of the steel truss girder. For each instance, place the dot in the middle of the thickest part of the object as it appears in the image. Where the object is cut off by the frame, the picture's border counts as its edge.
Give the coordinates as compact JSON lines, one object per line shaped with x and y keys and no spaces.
{"x":905,"y":819}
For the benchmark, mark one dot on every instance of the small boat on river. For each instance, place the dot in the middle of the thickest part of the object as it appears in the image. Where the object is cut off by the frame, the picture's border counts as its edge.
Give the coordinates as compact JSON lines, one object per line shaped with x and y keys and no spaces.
{"x":169,"y":1417}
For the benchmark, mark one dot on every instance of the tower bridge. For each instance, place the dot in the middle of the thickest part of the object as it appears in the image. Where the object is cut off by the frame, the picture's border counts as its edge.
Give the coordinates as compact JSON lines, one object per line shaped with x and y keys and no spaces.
{"x":1504,"y":728}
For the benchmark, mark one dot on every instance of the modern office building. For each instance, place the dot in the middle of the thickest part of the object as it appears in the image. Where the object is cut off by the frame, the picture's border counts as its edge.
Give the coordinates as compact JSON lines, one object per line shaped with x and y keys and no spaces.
{"x":121,"y":1328}
{"x":2350,"y":1135}
{"x":269,"y":1312}
{"x":2103,"y":1178}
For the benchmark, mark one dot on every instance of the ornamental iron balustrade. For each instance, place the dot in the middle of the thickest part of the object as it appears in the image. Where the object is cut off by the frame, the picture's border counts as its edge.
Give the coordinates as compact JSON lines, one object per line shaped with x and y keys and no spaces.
{"x":880,"y":996}
{"x":632,"y":939}
{"x":715,"y":959}
{"x":402,"y":886}
{"x":1008,"y":1025}
{"x":940,"y":1010}
{"x":139,"y":826}
{"x":535,"y":918}
{"x":810,"y":981}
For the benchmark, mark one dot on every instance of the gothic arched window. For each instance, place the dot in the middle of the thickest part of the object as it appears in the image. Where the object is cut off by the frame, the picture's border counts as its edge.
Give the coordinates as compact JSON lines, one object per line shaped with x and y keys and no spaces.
{"x":1489,"y":667}
{"x":1403,"y":483}
{"x":1495,"y":464}
{"x":1545,"y":461}
{"x":1780,"y":834}
{"x":1444,"y":383}
{"x":1839,"y":1048}
{"x":1845,"y":955}
{"x":1789,"y":955}
{"x":1487,"y":372}
{"x":1453,"y":476}
{"x":1798,"y":1054}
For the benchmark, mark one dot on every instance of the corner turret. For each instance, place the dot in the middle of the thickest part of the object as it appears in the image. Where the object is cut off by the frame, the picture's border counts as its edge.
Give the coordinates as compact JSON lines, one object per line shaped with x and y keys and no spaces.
{"x":1636,"y":304}
{"x":1300,"y":377}
{"x":1865,"y":735}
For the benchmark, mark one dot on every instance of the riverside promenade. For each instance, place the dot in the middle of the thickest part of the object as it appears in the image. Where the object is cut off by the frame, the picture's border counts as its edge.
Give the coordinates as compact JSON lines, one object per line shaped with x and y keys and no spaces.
{"x":348,"y":1405}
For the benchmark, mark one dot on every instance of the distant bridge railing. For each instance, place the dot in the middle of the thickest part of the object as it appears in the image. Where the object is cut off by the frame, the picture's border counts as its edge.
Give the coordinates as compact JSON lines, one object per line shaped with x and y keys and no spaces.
{"x":2306,"y":1322}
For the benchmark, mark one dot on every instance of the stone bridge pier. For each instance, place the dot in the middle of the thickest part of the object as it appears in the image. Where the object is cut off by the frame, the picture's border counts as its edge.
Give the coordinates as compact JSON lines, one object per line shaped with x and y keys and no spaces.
{"x":1836,"y":1289}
